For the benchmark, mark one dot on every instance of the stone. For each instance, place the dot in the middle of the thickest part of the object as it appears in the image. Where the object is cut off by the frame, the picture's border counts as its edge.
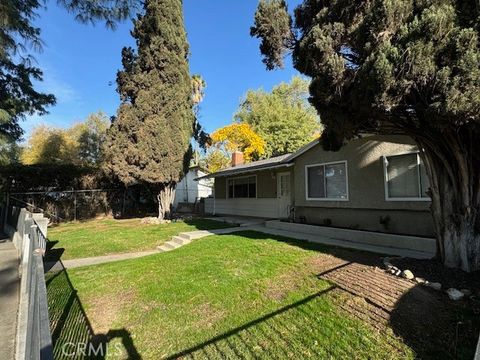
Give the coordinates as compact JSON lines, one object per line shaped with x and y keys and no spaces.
{"x":386,"y":262}
{"x":392,"y":271}
{"x":398,"y":273}
{"x":420,"y":280}
{"x":455,"y":294}
{"x":407,"y":274}
{"x":435,"y":285}
{"x":150,"y":221}
{"x":466,"y":292}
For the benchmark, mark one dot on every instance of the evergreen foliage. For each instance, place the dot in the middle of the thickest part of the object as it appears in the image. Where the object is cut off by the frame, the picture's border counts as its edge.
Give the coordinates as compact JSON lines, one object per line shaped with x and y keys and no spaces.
{"x":149,"y":141}
{"x":397,"y":67}
{"x":18,"y":34}
{"x":283,"y":118}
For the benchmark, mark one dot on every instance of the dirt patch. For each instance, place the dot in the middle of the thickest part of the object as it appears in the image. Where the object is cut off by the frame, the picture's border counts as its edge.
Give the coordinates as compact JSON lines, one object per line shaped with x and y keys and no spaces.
{"x":208,"y":315}
{"x":426,"y":320}
{"x":278,"y":288}
{"x":434,"y":271}
{"x":104,"y":310}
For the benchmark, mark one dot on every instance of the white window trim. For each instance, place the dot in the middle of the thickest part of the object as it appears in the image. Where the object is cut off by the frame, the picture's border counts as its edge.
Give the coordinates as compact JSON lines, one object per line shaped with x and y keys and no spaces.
{"x":325,"y":198}
{"x":241,"y":177}
{"x":385,"y":179}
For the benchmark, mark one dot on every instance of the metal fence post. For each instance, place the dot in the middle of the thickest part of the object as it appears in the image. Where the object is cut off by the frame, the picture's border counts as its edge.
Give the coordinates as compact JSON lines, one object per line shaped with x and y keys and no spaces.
{"x":7,"y":205}
{"x":74,"y":205}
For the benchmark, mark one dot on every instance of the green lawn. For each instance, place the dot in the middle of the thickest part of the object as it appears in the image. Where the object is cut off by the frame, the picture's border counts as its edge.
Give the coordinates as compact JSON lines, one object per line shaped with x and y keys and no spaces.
{"x":109,"y":236}
{"x":246,"y":295}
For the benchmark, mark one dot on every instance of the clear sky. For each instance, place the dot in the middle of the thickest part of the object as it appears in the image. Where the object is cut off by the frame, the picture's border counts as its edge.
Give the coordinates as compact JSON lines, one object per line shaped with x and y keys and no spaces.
{"x":80,"y":61}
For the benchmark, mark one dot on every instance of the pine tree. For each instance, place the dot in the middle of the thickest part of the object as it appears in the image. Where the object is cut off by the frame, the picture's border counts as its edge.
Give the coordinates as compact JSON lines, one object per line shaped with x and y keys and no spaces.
{"x":18,"y":34}
{"x":149,"y":141}
{"x":396,"y":67}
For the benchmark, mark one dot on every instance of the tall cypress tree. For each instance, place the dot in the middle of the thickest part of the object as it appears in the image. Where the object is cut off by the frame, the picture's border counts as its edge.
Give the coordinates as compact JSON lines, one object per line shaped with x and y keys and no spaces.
{"x":149,"y":141}
{"x":397,"y":67}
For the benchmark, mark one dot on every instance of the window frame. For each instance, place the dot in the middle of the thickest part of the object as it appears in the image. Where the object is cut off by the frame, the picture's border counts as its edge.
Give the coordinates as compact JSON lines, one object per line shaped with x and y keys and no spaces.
{"x":385,"y":179}
{"x":241,"y":177}
{"x":345,"y":162}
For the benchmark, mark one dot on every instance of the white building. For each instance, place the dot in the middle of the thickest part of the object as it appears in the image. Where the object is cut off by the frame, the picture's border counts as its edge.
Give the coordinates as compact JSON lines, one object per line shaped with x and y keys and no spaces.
{"x":190,"y":191}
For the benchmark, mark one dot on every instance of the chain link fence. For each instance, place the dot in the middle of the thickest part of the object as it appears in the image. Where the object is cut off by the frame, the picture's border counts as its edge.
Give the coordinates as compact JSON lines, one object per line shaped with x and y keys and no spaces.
{"x":68,"y":205}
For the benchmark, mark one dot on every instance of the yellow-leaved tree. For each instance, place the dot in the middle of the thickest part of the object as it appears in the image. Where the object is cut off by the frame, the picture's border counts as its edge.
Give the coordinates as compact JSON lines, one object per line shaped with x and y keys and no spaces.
{"x":239,"y":137}
{"x":81,"y":144}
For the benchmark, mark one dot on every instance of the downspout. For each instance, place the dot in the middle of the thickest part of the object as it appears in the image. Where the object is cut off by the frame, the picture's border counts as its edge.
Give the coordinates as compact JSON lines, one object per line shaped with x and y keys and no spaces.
{"x":214,"y":198}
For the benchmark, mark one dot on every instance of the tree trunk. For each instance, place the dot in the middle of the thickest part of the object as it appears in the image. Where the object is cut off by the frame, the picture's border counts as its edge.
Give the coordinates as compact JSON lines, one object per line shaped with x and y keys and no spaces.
{"x":165,"y":196}
{"x":452,"y":162}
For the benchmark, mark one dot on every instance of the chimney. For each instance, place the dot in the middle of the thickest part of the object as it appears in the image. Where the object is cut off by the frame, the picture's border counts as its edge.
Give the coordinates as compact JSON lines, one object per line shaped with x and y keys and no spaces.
{"x":237,"y":158}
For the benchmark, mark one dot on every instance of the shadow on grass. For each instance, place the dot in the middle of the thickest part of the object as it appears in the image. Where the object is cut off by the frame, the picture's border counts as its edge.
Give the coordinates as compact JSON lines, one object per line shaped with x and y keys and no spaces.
{"x":72,"y":334}
{"x":426,"y":320}
{"x":242,"y":339}
{"x":208,"y":224}
{"x":358,"y":256}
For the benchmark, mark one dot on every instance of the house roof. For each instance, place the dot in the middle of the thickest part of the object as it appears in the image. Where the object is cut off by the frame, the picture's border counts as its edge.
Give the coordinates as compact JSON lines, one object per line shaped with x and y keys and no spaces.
{"x":271,"y":163}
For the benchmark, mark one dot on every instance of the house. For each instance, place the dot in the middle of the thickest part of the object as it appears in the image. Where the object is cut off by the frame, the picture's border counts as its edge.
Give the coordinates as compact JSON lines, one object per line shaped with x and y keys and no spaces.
{"x":189,"y":191}
{"x":376,"y":183}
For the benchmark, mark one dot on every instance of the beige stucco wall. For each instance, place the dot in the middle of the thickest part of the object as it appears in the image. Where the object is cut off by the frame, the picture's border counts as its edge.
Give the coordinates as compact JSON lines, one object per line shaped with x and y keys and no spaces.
{"x":366,"y":189}
{"x":366,"y":205}
{"x":408,"y":222}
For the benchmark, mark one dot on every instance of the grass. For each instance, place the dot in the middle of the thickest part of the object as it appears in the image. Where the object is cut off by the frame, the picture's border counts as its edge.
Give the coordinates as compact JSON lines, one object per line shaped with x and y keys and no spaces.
{"x":244,"y":295}
{"x":110,"y":236}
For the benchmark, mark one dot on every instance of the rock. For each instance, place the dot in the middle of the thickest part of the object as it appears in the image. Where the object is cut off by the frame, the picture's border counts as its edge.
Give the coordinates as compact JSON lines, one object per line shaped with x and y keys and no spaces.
{"x":420,"y":280}
{"x":398,"y":273}
{"x":435,"y":285}
{"x":150,"y":221}
{"x":454,"y":294}
{"x":386,"y":262}
{"x":407,"y":274}
{"x":466,"y":292}
{"x":392,"y":271}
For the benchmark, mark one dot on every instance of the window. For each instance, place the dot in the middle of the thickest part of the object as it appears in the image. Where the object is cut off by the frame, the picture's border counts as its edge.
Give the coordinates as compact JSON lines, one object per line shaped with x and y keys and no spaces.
{"x":406,"y":178}
{"x":245,"y":187}
{"x":327,"y":181}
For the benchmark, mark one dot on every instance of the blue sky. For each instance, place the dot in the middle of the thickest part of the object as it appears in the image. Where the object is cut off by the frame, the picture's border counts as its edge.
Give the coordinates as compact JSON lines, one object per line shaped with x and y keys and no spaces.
{"x":80,"y":61}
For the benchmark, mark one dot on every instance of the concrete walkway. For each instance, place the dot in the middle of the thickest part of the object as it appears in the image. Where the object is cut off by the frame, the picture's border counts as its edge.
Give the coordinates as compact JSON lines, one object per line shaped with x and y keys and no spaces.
{"x":174,"y":243}
{"x":240,"y":220}
{"x":343,"y":243}
{"x":187,"y":237}
{"x":9,"y":297}
{"x":75,"y":263}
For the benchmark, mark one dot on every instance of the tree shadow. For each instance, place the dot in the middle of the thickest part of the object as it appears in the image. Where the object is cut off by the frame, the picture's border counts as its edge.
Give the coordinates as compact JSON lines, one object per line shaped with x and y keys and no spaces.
{"x":72,"y":334}
{"x":434,"y":326}
{"x":238,"y":340}
{"x":431,"y":324}
{"x":348,"y":255}
{"x":201,"y":223}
